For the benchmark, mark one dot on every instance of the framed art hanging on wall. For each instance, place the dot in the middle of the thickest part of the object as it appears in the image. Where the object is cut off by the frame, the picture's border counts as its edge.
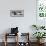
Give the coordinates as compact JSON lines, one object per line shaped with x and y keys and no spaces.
{"x":41,"y":12}
{"x":17,"y":13}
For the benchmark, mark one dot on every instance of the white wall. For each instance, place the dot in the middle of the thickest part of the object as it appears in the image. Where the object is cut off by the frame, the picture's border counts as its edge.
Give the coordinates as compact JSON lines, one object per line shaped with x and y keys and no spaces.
{"x":23,"y":23}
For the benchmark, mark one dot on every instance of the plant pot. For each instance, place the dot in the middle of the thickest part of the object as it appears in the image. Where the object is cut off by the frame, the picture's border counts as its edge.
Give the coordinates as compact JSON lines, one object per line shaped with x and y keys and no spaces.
{"x":40,"y":41}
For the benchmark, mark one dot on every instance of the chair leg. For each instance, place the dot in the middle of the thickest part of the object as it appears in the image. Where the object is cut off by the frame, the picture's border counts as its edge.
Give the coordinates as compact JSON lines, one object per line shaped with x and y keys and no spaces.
{"x":17,"y":39}
{"x":5,"y":40}
{"x":5,"y":43}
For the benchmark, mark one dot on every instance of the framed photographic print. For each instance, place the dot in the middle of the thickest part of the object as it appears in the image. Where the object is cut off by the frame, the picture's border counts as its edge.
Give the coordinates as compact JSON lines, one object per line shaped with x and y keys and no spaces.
{"x":41,"y":12}
{"x":17,"y":13}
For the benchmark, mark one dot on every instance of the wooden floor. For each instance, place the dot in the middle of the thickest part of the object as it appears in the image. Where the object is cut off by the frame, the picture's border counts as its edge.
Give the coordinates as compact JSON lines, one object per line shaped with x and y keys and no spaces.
{"x":13,"y":44}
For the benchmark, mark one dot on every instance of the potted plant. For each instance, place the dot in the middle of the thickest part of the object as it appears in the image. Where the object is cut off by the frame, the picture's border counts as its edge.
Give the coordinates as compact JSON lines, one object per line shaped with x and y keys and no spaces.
{"x":39,"y":35}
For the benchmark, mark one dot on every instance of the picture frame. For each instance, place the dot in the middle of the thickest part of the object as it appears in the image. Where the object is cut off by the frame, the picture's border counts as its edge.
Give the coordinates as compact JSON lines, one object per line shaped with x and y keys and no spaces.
{"x":41,"y":12}
{"x":17,"y":13}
